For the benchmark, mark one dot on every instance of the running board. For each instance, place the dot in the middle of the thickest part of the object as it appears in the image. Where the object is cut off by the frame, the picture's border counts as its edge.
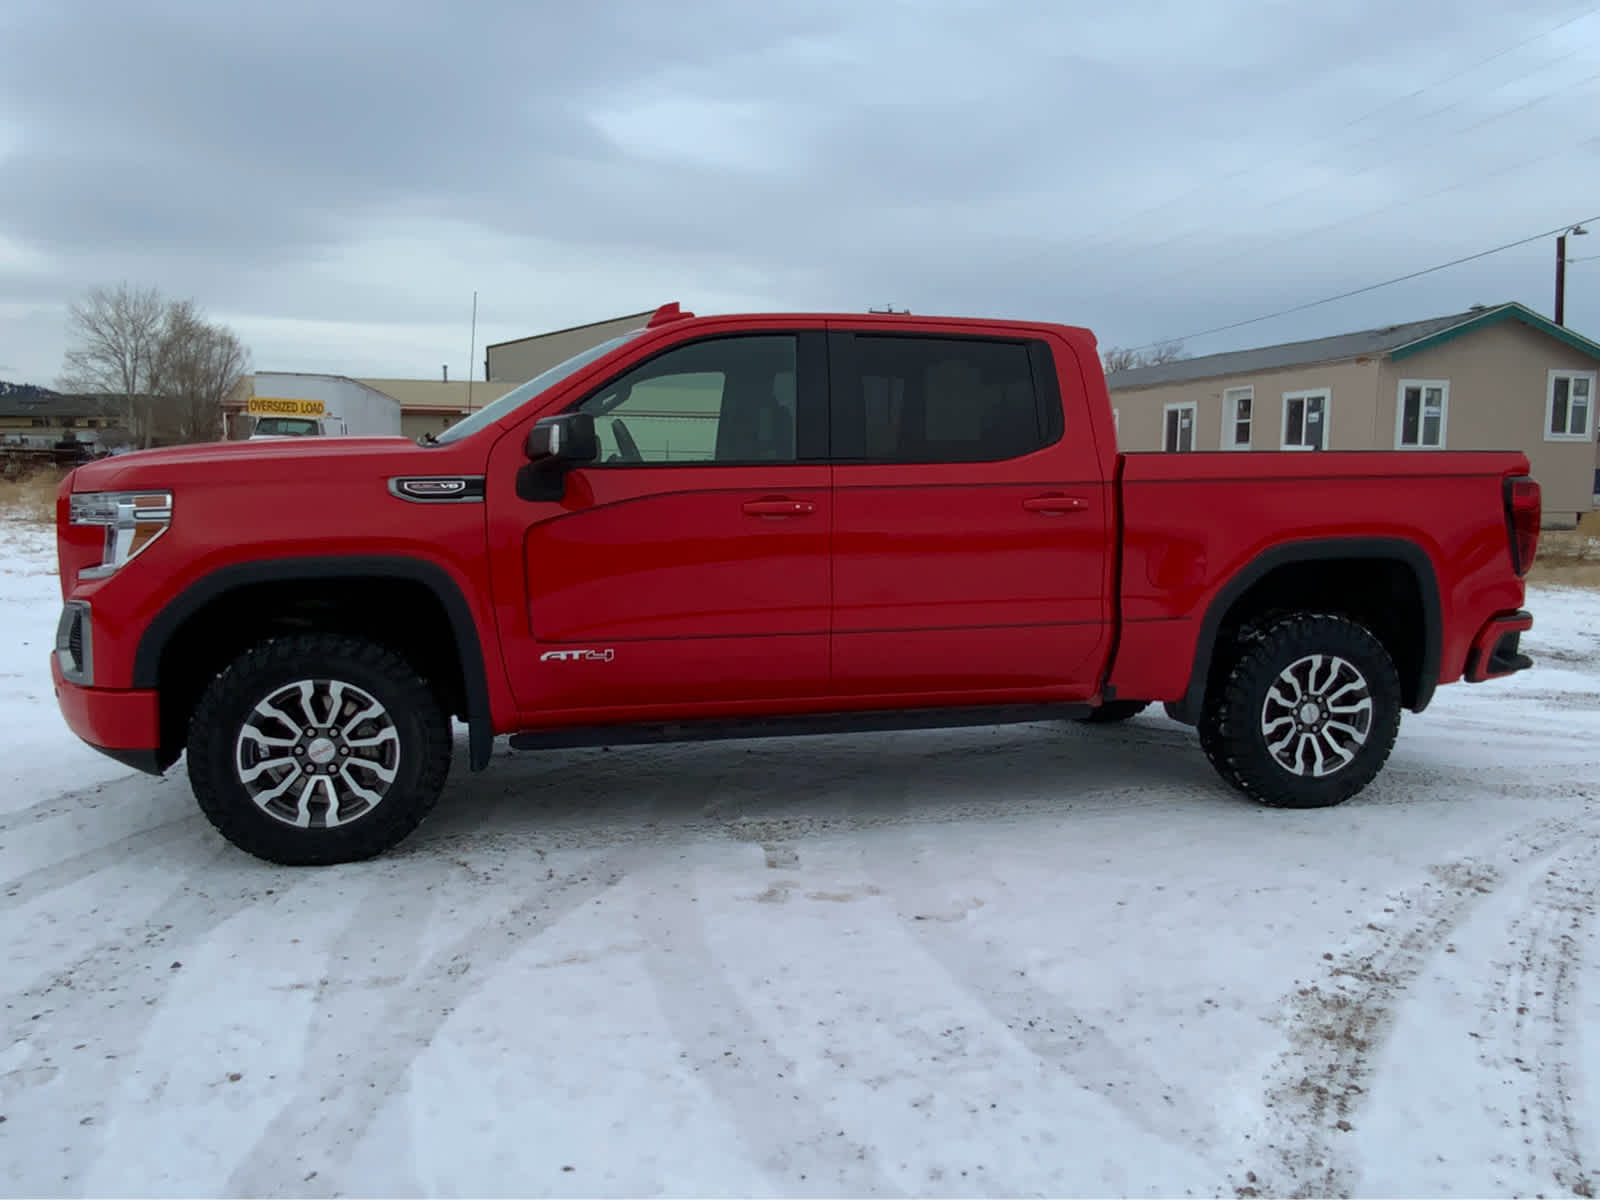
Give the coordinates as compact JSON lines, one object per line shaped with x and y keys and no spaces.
{"x":802,"y":725}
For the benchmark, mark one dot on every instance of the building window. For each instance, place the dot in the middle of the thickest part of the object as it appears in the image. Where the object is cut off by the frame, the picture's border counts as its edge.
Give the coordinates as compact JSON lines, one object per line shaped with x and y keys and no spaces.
{"x":1568,"y":406}
{"x":1180,"y":419}
{"x":1305,"y":419}
{"x":1238,"y":405}
{"x":1420,"y":409}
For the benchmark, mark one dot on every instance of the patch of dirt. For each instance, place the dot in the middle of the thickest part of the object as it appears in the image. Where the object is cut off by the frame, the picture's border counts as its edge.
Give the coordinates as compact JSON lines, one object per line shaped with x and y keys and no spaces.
{"x":1335,"y":1024}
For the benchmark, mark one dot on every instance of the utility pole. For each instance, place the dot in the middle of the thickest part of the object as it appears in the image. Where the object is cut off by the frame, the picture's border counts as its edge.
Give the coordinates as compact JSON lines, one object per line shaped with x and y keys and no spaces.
{"x":1561,"y":270}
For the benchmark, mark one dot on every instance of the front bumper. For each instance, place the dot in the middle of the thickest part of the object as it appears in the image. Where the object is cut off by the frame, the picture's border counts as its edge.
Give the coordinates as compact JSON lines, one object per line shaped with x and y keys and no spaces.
{"x":1496,"y":652}
{"x":125,"y":725}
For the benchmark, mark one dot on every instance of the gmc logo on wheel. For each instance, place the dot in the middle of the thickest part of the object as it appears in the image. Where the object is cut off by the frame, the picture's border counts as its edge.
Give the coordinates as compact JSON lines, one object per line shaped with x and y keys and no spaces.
{"x":577,"y":656}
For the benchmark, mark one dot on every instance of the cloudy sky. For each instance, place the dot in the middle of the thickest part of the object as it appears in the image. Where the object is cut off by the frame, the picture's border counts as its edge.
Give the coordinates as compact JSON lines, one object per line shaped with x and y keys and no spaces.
{"x":334,"y":179}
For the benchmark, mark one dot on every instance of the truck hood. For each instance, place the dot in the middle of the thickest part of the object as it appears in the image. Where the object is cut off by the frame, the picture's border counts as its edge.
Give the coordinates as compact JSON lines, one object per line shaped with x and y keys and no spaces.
{"x":288,"y":459}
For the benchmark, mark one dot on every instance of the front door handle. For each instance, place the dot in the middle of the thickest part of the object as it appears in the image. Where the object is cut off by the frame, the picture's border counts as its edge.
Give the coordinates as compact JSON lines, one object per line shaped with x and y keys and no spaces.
{"x":778,"y":506}
{"x":1056,"y":505}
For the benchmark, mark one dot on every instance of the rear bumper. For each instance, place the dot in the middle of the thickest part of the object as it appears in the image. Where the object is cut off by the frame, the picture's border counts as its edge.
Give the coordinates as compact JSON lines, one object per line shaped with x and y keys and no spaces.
{"x":1496,"y":652}
{"x":126,"y":725}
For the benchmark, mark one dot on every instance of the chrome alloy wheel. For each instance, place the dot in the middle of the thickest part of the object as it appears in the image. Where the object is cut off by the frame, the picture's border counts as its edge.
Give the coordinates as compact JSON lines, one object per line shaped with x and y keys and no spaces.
{"x":1317,"y":715}
{"x":317,"y":753}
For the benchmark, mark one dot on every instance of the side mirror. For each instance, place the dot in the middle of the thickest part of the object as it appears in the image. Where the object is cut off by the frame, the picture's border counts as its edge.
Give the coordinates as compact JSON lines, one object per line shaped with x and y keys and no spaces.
{"x":568,"y":439}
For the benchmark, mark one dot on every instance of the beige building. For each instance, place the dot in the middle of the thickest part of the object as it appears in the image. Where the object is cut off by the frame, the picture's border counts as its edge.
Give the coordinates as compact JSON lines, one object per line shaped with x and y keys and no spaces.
{"x":518,"y":361}
{"x":1491,"y":378}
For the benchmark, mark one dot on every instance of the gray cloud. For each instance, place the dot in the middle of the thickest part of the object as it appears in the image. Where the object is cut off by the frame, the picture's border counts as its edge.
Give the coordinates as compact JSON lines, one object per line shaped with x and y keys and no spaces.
{"x":321,"y":173}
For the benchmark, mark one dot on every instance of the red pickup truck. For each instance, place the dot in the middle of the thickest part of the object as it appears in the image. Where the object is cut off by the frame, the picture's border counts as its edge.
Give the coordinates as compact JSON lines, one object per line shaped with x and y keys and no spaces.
{"x":758,"y":526}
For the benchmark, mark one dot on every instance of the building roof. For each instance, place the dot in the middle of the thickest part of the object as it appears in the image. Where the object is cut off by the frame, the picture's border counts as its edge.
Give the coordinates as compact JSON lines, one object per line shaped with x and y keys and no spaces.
{"x":638,"y":316}
{"x":1392,"y":341}
{"x":55,"y":406}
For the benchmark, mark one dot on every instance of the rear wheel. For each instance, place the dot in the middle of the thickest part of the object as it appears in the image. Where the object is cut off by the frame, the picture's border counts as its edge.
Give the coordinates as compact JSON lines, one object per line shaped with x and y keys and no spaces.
{"x":1307,"y":714}
{"x":318,"y":749}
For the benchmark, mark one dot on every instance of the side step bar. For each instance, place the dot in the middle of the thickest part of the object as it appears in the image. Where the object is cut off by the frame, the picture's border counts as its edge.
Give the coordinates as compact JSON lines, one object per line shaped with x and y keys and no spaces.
{"x":802,"y":725}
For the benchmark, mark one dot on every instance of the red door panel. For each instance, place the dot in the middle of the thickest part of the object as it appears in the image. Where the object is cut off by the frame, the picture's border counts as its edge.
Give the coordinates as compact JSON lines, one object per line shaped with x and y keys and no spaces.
{"x":686,"y":567}
{"x":696,"y":595}
{"x":987,"y":577}
{"x":941,"y":585}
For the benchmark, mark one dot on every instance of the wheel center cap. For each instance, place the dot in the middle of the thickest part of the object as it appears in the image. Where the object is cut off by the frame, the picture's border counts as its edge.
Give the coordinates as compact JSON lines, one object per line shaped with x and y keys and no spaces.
{"x":321,"y":751}
{"x":1310,"y":713}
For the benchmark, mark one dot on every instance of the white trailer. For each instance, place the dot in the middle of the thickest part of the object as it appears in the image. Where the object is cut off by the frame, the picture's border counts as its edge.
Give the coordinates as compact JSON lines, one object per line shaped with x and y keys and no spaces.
{"x":290,"y":404}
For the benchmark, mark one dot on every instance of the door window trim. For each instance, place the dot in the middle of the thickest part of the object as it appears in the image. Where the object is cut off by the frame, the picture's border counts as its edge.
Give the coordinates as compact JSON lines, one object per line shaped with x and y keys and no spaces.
{"x":1180,"y":407}
{"x":811,"y":413}
{"x":1306,"y":394}
{"x":848,"y":413}
{"x":1422,"y":386}
{"x":1231,"y":418}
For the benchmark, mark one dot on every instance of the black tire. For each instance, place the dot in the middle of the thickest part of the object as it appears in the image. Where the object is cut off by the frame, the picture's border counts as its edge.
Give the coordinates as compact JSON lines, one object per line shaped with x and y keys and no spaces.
{"x":1252,"y":706}
{"x":1113,"y":711}
{"x":409,"y":742}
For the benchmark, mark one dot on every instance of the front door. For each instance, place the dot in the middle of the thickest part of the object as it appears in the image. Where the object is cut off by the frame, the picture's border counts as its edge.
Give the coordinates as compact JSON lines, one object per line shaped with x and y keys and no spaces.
{"x":688,"y":567}
{"x":971,"y":520}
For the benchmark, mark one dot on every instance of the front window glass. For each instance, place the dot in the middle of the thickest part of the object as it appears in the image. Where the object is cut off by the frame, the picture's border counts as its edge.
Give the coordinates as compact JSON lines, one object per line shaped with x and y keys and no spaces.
{"x":514,"y":399}
{"x":724,"y":400}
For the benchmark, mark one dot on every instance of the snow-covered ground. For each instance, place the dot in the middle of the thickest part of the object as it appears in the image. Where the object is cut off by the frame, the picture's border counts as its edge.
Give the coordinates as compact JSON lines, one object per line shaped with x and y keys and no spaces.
{"x":1018,"y":961}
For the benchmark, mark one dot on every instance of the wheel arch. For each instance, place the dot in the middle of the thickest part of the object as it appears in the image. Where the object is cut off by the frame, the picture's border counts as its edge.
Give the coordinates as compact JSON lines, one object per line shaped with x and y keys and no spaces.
{"x":1248,"y":590}
{"x":226,"y":585}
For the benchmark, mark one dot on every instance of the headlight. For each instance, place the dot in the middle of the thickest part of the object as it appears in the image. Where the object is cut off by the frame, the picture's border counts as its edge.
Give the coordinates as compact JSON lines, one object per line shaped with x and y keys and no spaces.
{"x":132,"y":520}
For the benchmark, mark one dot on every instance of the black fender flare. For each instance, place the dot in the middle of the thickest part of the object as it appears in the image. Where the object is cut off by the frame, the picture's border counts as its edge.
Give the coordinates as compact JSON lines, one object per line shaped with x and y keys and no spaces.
{"x":210,"y":588}
{"x":1187,"y":710}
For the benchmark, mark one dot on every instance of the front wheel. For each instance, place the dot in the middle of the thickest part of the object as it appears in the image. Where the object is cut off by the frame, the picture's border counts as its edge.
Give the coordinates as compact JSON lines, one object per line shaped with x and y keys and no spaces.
{"x":318,"y":749}
{"x":1307,"y":714}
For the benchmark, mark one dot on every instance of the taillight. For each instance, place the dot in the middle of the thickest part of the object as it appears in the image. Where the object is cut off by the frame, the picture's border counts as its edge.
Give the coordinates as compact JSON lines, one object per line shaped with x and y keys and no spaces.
{"x":1524,"y":508}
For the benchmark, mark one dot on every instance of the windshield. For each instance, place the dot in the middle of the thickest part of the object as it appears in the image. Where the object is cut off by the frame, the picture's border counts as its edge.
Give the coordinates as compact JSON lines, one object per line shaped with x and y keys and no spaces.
{"x":513,"y":399}
{"x":286,"y":426}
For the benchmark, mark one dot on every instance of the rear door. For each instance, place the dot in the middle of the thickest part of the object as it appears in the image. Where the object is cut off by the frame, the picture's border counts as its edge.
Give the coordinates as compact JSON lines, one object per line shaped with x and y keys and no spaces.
{"x":689,"y":566}
{"x":971,"y":522}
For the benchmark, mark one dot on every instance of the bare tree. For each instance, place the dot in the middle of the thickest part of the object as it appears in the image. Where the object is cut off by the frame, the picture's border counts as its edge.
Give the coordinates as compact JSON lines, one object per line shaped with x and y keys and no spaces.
{"x":1118,"y":358}
{"x":113,"y":335}
{"x":197,"y":365}
{"x":1163,"y":352}
{"x":169,"y":366}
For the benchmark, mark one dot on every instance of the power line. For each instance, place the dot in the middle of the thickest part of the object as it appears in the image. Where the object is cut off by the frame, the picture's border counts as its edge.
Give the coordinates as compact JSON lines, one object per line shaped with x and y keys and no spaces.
{"x":1371,"y":287}
{"x":1295,"y":235}
{"x":1563,"y":91}
{"x":1114,"y":238}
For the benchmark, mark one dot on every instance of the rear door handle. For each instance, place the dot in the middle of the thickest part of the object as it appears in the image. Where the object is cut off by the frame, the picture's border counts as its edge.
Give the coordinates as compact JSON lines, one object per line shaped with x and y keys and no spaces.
{"x":778,"y":506}
{"x":1056,"y":504}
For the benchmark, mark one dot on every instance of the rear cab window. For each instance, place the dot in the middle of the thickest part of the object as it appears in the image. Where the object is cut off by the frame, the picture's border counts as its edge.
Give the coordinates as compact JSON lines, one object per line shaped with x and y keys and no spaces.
{"x":928,"y":398}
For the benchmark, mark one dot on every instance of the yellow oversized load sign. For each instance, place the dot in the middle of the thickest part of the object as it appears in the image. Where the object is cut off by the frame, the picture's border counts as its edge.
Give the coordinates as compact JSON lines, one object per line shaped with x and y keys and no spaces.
{"x":279,"y":406}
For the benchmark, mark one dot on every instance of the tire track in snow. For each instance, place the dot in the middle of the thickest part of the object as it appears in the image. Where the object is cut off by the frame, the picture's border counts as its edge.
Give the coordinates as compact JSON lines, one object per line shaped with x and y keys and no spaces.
{"x":786,"y":1131}
{"x":81,"y":800}
{"x":1335,"y":1027}
{"x":1530,"y":1001}
{"x":326,"y":1120}
{"x":106,"y":1000}
{"x":1039,"y":1018}
{"x":65,"y":872}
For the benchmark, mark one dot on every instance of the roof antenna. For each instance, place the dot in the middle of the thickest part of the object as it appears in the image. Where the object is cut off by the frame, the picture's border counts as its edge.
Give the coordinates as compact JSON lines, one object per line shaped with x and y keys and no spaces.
{"x":472,"y":349}
{"x":889,"y":308}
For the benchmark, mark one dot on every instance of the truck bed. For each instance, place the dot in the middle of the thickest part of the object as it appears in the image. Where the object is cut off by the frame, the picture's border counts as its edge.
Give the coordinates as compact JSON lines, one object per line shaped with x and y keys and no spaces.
{"x":1193,"y":525}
